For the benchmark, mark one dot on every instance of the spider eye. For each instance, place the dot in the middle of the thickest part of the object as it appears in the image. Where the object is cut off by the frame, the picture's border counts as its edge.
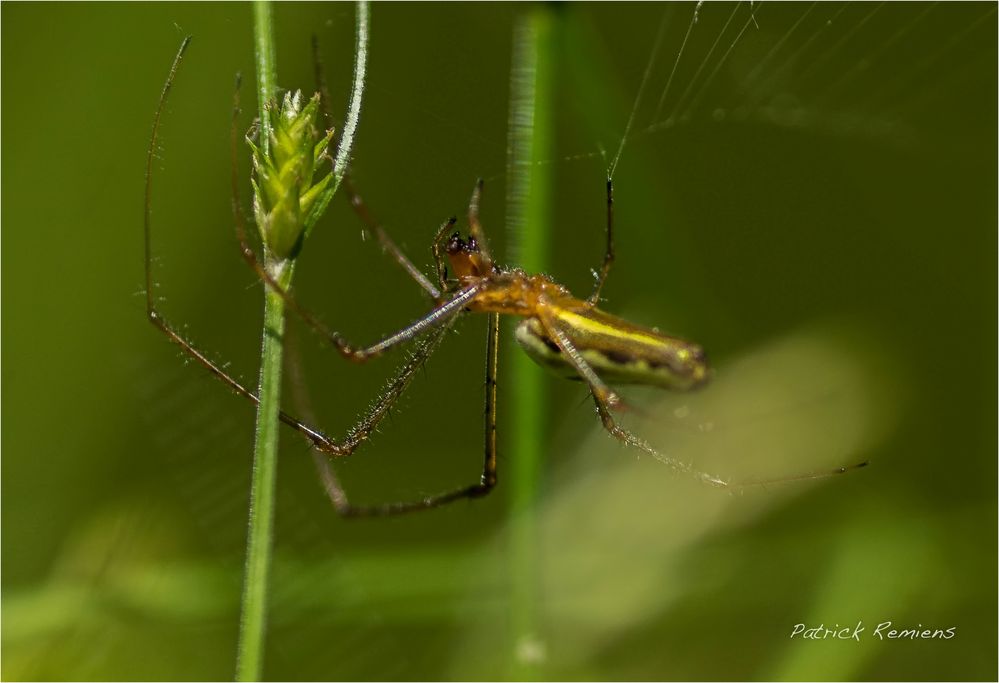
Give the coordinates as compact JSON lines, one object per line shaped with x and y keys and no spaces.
{"x":455,"y":245}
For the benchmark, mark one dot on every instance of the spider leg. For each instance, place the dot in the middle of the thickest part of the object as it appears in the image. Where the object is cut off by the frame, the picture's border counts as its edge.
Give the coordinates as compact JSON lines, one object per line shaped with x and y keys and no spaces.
{"x":487,"y":481}
{"x":475,"y":227}
{"x":623,"y":435}
{"x":609,"y":252}
{"x":438,"y":255}
{"x":356,"y":202}
{"x":739,"y":486}
{"x":598,"y":387}
{"x":357,"y":354}
{"x":363,"y":430}
{"x":388,"y":245}
{"x":319,"y":72}
{"x":605,"y":400}
{"x":439,"y":316}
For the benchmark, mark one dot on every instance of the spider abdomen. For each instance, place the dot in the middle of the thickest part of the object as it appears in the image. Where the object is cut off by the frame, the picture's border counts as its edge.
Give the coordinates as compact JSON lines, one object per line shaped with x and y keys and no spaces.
{"x":619,"y":351}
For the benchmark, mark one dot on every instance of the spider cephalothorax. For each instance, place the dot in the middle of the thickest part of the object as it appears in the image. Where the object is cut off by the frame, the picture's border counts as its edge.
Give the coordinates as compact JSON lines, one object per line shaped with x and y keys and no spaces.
{"x":465,"y":257}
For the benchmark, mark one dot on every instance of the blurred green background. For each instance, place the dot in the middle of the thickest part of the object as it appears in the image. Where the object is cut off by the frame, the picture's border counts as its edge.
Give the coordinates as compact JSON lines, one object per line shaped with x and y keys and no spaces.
{"x":818,"y":210}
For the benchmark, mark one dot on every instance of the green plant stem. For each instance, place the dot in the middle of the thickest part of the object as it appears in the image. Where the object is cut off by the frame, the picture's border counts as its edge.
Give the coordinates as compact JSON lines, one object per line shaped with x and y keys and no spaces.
{"x":260,"y":536}
{"x":356,"y":92}
{"x":253,"y":617}
{"x":529,"y":219}
{"x":342,"y":156}
{"x":263,"y":44}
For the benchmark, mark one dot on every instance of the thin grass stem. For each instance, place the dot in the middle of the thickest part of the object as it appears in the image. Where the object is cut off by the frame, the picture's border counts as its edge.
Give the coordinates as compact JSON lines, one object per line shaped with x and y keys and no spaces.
{"x":253,"y":615}
{"x":356,"y":92}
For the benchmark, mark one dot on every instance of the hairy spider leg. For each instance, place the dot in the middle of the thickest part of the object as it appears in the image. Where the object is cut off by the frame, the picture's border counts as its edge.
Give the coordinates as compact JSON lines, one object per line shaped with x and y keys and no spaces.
{"x":606,"y":400}
{"x":605,"y":267}
{"x":357,"y":434}
{"x":487,"y":481}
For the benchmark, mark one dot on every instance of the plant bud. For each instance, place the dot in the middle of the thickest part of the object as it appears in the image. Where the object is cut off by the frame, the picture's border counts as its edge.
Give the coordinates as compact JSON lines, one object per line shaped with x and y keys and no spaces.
{"x":286,"y":202}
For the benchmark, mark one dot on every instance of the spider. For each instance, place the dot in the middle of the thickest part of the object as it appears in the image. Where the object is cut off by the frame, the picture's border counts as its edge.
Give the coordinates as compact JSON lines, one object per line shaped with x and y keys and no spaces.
{"x":571,"y":336}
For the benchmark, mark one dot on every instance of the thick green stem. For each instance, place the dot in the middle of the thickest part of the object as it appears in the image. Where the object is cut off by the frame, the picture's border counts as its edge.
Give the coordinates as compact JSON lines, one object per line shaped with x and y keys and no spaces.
{"x":253,"y":619}
{"x":529,"y":218}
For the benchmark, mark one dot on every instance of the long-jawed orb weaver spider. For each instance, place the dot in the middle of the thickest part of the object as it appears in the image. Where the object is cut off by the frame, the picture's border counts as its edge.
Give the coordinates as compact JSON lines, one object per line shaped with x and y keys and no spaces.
{"x":569,"y":335}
